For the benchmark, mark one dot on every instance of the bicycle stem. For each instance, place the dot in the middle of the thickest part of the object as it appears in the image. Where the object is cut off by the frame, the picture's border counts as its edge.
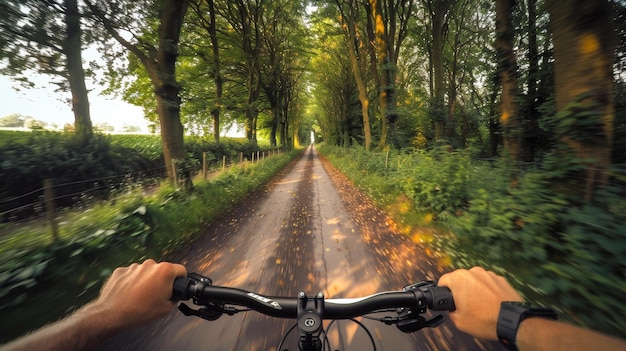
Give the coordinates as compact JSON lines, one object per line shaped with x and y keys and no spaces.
{"x":310,"y":316}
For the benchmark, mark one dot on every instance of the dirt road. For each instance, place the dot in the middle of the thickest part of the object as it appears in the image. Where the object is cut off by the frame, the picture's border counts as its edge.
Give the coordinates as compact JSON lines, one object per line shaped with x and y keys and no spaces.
{"x":311,"y":231}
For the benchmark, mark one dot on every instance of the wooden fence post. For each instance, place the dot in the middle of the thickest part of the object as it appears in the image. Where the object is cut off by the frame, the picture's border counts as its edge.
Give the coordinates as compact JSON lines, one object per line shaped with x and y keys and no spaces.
{"x":204,"y":165}
{"x":175,"y":173}
{"x":241,"y":157}
{"x":48,"y":195}
{"x":223,"y":162}
{"x":386,"y":158}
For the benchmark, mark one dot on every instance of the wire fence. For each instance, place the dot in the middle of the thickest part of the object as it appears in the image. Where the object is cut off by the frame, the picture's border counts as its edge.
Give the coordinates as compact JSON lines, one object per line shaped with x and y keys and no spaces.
{"x":45,"y":206}
{"x":73,"y":194}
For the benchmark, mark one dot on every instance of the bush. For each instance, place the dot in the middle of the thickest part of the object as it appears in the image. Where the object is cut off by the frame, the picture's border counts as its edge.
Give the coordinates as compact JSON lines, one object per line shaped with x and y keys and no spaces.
{"x":438,"y":180}
{"x":111,"y":234}
{"x":57,"y":156}
{"x":527,"y":225}
{"x":106,"y":165}
{"x":558,"y":249}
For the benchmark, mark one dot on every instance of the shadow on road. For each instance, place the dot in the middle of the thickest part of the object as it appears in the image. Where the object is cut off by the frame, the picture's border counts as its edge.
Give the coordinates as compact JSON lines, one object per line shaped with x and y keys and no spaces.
{"x":309,"y":231}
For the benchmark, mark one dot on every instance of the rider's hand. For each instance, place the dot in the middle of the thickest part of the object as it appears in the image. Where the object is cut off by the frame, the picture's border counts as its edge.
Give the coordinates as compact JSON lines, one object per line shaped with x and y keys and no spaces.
{"x":477,"y":295}
{"x":139,"y":293}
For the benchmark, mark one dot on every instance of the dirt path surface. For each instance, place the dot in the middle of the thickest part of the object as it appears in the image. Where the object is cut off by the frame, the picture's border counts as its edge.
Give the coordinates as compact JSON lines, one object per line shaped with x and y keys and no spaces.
{"x":311,"y":231}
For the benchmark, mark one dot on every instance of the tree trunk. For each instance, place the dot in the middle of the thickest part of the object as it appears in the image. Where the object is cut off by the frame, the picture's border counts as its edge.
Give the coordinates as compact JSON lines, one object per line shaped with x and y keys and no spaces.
{"x":386,"y":86}
{"x":249,"y":17}
{"x":451,"y":108}
{"x":167,"y":88}
{"x":584,"y":49}
{"x":160,"y":64}
{"x":350,"y":23}
{"x":439,"y":9}
{"x":72,"y":47}
{"x":495,"y":136}
{"x":456,"y":76}
{"x":274,"y":124}
{"x":217,"y":73}
{"x":252,"y":113}
{"x":284,"y":124}
{"x":274,"y":93}
{"x":531,"y":122}
{"x":507,"y":69}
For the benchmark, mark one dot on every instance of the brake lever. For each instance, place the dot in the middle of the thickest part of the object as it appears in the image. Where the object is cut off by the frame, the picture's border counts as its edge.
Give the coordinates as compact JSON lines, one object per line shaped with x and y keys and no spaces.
{"x":429,"y":295}
{"x":417,"y":322}
{"x":210,"y":312}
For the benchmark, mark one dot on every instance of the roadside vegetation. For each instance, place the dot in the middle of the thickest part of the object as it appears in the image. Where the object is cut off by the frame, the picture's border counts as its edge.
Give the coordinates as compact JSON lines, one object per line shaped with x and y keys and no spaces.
{"x":557,"y":249}
{"x":401,"y":93}
{"x":133,"y":224}
{"x":108,"y":163}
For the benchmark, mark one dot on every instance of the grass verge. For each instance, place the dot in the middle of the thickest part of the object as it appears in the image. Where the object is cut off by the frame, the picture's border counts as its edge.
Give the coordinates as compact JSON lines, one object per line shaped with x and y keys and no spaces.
{"x":44,"y":279}
{"x":527,"y":223}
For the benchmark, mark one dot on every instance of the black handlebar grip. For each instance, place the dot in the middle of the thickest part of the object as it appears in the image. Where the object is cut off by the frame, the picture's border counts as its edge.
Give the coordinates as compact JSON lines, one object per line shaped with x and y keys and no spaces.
{"x":180,"y":289}
{"x":441,"y":299}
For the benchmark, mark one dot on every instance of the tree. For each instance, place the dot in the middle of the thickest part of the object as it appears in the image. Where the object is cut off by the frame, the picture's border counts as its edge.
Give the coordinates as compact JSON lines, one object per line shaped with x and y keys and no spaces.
{"x":158,"y":55}
{"x":293,"y":109}
{"x":46,"y":37}
{"x":244,"y":19}
{"x":201,"y":103}
{"x":466,"y":47}
{"x":438,"y":11}
{"x":335,"y":96}
{"x":205,"y":19}
{"x":619,"y":139}
{"x":531,"y":123}
{"x":584,"y":52}
{"x":282,"y":46}
{"x":507,"y":72}
{"x":14,"y":120}
{"x":387,"y":28}
{"x":452,"y":51}
{"x":350,"y":17}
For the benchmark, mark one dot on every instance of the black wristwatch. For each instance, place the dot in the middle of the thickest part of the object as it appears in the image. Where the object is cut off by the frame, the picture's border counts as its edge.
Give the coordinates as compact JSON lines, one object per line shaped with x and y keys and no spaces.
{"x":510,"y":317}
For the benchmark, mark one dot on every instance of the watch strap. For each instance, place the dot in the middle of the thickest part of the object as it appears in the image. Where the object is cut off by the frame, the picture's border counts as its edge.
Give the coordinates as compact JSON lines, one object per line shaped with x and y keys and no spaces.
{"x":510,"y":317}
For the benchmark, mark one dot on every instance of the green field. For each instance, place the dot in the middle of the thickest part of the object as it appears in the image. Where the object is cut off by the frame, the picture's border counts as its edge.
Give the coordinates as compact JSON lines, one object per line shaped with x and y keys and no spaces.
{"x":128,"y":226}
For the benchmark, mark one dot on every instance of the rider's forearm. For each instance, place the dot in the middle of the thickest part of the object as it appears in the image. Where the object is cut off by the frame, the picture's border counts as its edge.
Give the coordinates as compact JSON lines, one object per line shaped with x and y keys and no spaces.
{"x":537,"y":334}
{"x":85,"y":329}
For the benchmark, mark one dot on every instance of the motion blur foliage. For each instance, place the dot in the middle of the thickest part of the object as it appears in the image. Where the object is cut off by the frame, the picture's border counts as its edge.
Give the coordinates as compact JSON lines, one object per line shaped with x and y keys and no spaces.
{"x":94,"y":171}
{"x":229,"y":148}
{"x":65,"y":273}
{"x":555,"y":247}
{"x":97,"y":168}
{"x":619,"y":140}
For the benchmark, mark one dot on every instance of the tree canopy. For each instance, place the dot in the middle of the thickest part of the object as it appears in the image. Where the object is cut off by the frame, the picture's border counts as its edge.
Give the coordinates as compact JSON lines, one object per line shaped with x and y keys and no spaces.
{"x":47,"y":37}
{"x":403,"y":73}
{"x":532,"y":84}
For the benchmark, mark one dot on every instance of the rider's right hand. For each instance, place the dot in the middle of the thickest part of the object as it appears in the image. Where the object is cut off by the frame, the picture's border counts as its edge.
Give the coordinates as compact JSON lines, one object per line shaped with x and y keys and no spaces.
{"x":477,"y":295}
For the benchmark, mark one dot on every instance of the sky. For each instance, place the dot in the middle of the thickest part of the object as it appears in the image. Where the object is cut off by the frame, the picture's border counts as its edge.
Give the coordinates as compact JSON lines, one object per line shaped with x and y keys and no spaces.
{"x":45,"y":105}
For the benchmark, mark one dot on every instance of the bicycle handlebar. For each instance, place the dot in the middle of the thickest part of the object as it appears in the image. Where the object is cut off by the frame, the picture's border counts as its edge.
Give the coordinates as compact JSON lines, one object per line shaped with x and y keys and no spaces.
{"x":419,"y":296}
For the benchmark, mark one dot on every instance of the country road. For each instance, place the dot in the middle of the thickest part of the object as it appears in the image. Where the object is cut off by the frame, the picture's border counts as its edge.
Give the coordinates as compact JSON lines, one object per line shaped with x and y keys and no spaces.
{"x":309,"y":230}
